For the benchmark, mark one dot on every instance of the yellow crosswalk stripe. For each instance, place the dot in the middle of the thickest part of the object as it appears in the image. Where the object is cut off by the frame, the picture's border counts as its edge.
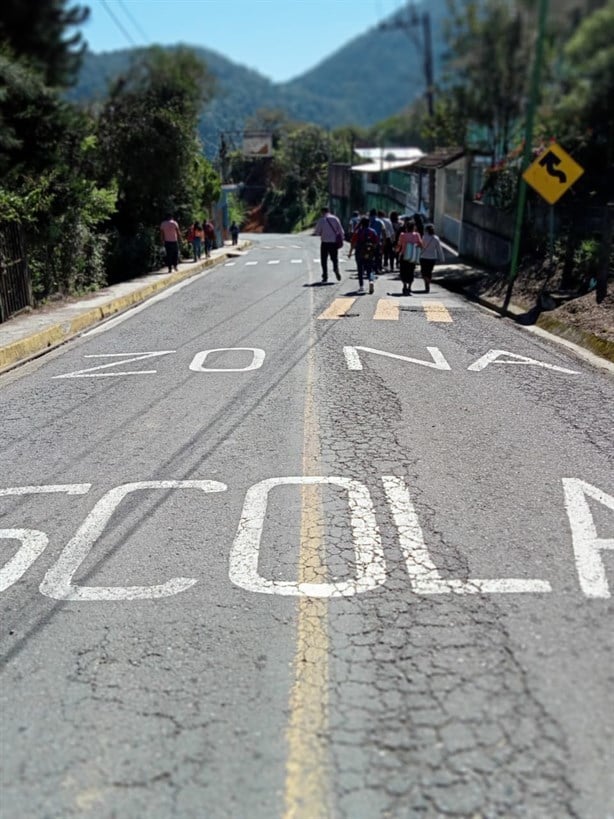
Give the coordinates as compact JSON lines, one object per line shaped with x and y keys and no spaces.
{"x":435,"y":311}
{"x":386,"y":310}
{"x":337,"y":309}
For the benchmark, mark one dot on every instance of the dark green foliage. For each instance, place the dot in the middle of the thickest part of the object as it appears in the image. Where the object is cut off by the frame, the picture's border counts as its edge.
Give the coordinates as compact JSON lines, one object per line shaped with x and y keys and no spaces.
{"x":35,"y":31}
{"x":149,"y":147}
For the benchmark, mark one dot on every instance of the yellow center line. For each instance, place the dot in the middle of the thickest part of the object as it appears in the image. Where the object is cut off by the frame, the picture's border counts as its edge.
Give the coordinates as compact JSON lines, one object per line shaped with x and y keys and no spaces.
{"x":435,"y":311}
{"x":307,"y":792}
{"x":386,"y":310}
{"x":338,"y":308}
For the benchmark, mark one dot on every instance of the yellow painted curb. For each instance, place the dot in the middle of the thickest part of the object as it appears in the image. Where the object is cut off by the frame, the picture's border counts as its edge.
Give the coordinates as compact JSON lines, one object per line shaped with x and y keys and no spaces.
{"x":58,"y":334}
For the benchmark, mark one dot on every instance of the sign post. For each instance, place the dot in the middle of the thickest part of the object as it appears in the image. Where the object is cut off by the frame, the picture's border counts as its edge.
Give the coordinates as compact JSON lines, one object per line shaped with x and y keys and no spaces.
{"x":528,"y":141}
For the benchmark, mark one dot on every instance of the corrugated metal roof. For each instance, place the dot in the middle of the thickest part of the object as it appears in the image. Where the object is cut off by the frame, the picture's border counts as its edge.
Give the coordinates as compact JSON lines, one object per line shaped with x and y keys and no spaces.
{"x":440,"y":157}
{"x":384,"y":165}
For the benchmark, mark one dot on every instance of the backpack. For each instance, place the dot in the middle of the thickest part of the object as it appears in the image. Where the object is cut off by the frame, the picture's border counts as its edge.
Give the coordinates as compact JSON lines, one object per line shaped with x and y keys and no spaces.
{"x":369,"y":244}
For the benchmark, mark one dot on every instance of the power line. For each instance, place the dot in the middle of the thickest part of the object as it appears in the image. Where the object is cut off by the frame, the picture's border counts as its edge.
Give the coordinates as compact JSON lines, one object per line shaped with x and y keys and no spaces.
{"x":136,"y":25}
{"x":117,"y":23}
{"x":424,"y":43}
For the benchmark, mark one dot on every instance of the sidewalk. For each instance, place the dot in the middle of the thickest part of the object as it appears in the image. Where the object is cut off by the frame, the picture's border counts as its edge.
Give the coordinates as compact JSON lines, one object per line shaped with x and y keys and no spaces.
{"x":36,"y":331}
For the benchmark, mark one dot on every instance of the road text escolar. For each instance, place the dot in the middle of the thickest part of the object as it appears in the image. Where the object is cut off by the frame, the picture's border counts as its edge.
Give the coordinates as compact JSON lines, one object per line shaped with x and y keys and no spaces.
{"x":370,"y":569}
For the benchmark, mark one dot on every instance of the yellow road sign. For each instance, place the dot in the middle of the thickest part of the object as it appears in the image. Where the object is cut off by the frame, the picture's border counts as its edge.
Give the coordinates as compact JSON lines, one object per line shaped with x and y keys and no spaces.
{"x":552,"y":173}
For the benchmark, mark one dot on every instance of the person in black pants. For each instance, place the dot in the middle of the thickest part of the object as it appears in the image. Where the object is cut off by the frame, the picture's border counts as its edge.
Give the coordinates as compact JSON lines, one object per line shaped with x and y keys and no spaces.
{"x":432,"y":252}
{"x":329,"y":229}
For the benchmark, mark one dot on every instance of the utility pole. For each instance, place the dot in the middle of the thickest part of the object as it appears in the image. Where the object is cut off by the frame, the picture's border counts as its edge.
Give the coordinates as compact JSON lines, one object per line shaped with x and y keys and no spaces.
{"x":424,"y":43}
{"x":528,"y":148}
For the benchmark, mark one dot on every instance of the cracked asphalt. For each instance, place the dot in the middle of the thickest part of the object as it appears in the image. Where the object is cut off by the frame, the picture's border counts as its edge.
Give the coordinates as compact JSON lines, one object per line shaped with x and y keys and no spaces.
{"x":372,"y":695}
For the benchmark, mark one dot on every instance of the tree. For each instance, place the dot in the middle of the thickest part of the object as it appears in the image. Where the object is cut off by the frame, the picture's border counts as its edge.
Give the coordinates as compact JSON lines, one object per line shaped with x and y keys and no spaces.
{"x":148,"y":132}
{"x":490,"y":47}
{"x":299,"y":176}
{"x":35,"y":29}
{"x":584,"y":111}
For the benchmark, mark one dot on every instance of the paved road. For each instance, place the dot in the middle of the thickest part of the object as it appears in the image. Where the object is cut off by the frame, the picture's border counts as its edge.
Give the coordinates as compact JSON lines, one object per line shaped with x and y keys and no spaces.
{"x":276,"y":550}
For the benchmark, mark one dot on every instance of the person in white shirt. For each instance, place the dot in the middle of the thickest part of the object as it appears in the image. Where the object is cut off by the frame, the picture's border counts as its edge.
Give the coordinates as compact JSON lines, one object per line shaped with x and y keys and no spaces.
{"x":329,"y":229}
{"x":432,"y":252}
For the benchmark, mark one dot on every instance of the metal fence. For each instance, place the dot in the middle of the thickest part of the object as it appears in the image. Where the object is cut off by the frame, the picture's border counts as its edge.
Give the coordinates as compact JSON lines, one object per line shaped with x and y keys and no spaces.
{"x":15,"y":281}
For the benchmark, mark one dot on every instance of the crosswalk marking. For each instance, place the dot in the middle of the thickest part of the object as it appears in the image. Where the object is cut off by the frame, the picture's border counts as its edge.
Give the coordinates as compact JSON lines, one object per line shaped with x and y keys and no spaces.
{"x":250,"y":263}
{"x":230,"y":264}
{"x":337,"y":309}
{"x":273,"y":261}
{"x":386,"y":310}
{"x":435,"y":311}
{"x":296,"y":261}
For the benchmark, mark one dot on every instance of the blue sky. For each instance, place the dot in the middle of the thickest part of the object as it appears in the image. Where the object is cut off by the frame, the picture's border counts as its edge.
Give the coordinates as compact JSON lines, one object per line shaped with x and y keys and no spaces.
{"x":278,"y":38}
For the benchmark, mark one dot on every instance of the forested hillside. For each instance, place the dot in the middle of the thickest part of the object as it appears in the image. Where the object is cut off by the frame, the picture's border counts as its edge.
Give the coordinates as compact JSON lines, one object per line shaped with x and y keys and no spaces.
{"x":367,"y":80}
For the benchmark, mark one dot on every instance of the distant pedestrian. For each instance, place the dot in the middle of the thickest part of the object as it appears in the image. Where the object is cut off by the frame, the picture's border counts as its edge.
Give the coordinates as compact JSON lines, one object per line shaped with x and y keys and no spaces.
{"x":419,"y":222}
{"x":388,"y":243}
{"x":353,"y":225}
{"x":366,"y":243}
{"x":329,"y":229}
{"x":234,"y":232}
{"x":196,"y":236}
{"x":209,"y":237}
{"x":171,"y":236}
{"x":397,"y":227}
{"x":376,"y":224}
{"x":408,"y":248}
{"x":432,"y":252}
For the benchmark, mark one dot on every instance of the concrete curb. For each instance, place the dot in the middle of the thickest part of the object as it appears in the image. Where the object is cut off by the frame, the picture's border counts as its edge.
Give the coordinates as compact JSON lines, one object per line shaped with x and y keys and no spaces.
{"x":45,"y":340}
{"x":599,"y":346}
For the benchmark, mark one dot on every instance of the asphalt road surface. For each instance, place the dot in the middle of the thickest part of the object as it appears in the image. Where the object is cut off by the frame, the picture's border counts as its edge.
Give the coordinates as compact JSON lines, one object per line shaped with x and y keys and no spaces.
{"x":272,"y":549}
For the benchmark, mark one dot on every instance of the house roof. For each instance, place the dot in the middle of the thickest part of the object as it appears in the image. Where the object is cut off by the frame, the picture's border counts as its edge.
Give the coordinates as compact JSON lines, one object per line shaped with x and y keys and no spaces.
{"x":440,"y":157}
{"x":384,"y":165}
{"x":389,"y":154}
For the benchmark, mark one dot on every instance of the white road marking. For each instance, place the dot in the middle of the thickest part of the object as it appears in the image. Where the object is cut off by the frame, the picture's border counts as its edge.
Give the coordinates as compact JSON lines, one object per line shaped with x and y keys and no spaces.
{"x":58,"y":584}
{"x":46,"y":489}
{"x":353,"y":361}
{"x":586,"y":544}
{"x":296,"y":261}
{"x":199,"y":360}
{"x":370,"y":564}
{"x":230,"y":264}
{"x":274,"y":261}
{"x":126,"y":358}
{"x":424,"y":575}
{"x":33,"y":544}
{"x":248,"y":264}
{"x":493,"y":356}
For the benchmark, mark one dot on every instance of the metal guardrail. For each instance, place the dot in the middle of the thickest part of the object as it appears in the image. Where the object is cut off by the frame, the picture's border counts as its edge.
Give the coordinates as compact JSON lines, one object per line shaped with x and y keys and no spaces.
{"x":15,"y":280}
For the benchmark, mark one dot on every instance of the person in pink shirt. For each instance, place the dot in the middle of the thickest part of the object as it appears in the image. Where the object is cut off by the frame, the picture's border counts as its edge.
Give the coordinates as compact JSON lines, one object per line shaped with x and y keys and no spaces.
{"x":171,"y":236}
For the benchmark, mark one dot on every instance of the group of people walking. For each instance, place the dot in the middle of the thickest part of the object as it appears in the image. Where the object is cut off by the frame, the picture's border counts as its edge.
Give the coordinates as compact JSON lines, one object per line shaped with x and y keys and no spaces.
{"x":200,"y":236}
{"x":380,"y":244}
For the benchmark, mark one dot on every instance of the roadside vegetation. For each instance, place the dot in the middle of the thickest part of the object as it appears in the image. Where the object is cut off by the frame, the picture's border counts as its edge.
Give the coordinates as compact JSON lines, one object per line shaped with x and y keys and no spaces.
{"x":89,"y":184}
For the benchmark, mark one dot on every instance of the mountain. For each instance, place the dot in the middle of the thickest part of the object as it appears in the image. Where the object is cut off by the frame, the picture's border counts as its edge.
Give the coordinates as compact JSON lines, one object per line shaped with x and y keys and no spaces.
{"x":367,"y":80}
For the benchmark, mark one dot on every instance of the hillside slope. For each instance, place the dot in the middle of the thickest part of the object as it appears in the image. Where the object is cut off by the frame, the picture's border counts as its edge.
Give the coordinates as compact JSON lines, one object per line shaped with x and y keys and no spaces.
{"x":369,"y":79}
